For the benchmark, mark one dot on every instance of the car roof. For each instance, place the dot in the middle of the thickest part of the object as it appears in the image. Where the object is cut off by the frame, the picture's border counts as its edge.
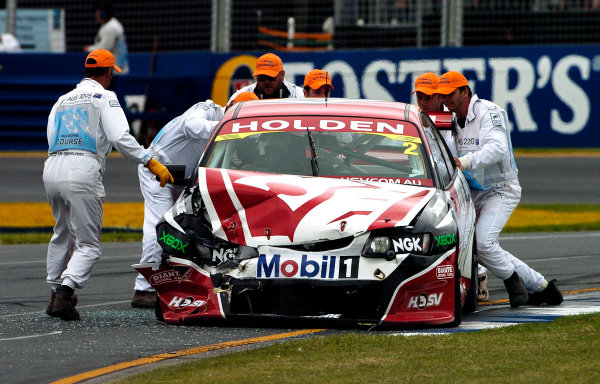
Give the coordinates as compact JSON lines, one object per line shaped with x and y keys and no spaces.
{"x":322,"y":107}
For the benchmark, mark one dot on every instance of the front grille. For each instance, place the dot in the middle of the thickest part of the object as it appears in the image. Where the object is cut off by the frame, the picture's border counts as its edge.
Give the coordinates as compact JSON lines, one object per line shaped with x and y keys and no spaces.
{"x":356,"y":301}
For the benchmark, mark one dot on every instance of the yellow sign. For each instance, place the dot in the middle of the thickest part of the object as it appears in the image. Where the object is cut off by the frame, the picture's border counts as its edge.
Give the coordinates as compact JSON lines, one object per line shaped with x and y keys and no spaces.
{"x":220,"y":90}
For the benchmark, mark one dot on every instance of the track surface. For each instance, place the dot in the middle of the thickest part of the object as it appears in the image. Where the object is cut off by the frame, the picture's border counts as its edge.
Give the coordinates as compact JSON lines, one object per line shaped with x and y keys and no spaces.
{"x":40,"y":349}
{"x":544,"y":179}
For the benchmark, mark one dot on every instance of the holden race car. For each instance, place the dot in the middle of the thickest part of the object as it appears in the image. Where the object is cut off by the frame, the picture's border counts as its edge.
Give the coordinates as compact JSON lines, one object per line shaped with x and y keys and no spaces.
{"x":333,"y":210}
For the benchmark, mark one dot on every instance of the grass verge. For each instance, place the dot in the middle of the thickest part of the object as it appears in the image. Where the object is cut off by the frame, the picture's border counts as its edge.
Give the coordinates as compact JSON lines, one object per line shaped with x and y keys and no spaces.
{"x":129,"y":216}
{"x":563,"y":351}
{"x":44,"y":237}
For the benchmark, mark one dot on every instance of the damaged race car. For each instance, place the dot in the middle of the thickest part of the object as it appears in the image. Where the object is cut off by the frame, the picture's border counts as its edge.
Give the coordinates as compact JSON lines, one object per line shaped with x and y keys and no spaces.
{"x":332,"y":210}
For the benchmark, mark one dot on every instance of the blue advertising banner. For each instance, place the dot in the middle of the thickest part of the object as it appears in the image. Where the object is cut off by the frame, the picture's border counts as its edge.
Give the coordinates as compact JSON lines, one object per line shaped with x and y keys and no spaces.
{"x":548,"y":91}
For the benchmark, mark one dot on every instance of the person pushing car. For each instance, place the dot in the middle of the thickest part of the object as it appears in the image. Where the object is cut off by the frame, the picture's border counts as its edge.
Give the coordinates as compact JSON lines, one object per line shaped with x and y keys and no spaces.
{"x":428,"y":100}
{"x":180,"y":142}
{"x":484,"y":153}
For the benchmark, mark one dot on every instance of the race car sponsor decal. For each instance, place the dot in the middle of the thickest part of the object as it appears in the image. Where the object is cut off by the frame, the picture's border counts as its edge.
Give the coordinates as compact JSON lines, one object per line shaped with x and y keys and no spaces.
{"x":389,"y":180}
{"x":445,"y":272}
{"x":394,"y":129}
{"x":251,"y":208}
{"x":308,"y":267}
{"x":164,"y":277}
{"x":173,"y":242}
{"x":223,"y":254}
{"x":183,"y":302}
{"x":168,"y":276}
{"x":423,"y":300}
{"x":444,"y":240}
{"x":407,"y":244}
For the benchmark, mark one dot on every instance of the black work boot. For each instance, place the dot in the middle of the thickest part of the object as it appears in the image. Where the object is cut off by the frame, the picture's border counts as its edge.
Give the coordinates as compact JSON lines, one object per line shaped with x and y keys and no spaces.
{"x":551,"y":295}
{"x":517,"y":293}
{"x":144,"y":299}
{"x":64,"y":305}
{"x":51,"y":303}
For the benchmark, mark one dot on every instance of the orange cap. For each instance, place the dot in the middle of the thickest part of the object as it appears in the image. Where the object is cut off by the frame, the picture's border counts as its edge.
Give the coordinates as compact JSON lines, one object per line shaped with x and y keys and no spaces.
{"x":268,"y":64}
{"x":242,"y":96}
{"x":317,"y":78}
{"x":449,"y":81}
{"x":245,"y":96}
{"x":101,"y":58}
{"x":426,"y":83}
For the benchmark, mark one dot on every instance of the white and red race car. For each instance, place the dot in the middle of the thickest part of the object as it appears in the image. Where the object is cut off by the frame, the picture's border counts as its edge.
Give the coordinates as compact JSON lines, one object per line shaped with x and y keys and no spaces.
{"x":333,"y":210}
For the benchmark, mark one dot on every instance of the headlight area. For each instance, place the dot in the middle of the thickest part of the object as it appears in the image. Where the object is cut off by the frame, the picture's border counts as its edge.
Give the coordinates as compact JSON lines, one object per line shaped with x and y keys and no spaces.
{"x":388,"y":243}
{"x":432,"y":232}
{"x":183,"y":232}
{"x":197,"y":244}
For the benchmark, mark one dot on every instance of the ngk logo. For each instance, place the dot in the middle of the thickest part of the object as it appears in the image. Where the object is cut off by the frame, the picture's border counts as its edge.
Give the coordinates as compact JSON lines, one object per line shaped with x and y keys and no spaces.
{"x":423,"y":300}
{"x":408,"y":244}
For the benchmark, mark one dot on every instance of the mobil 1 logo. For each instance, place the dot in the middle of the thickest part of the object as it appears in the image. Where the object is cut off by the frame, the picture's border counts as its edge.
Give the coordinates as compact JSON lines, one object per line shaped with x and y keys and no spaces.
{"x":348,"y":267}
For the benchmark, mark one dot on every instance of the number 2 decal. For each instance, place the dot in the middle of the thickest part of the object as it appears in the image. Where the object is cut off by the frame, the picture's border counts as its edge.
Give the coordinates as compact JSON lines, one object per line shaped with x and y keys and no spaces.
{"x":411,"y":150}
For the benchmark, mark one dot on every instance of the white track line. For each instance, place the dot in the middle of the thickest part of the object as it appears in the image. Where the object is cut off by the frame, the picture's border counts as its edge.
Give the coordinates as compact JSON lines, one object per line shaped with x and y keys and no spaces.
{"x":31,"y":336}
{"x":78,"y":307}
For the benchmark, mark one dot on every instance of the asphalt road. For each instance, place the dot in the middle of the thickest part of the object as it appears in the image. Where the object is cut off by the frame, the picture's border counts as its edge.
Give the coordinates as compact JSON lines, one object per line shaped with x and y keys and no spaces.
{"x":39,"y":349}
{"x":543,"y":179}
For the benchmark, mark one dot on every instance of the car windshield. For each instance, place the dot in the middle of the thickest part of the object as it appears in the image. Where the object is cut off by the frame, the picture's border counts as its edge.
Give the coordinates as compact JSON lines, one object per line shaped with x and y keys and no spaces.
{"x":366,"y":150}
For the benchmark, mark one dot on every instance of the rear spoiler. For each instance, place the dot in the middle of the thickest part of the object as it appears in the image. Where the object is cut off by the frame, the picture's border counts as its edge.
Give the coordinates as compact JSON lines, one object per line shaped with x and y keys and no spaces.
{"x":442,"y":120}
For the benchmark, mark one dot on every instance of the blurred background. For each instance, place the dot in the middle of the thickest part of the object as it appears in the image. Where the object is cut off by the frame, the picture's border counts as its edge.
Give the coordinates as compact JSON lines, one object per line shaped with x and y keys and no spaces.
{"x":537,"y":58}
{"x":187,"y":25}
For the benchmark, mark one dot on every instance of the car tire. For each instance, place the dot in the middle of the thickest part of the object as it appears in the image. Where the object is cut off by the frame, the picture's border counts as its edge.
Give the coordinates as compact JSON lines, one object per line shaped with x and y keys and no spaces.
{"x":458,"y":311}
{"x":158,"y":310}
{"x":471,"y":300}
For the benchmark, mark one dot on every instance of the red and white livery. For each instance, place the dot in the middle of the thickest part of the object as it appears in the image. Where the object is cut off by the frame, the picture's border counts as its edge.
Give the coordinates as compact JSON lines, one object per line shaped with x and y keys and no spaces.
{"x":328,"y":210}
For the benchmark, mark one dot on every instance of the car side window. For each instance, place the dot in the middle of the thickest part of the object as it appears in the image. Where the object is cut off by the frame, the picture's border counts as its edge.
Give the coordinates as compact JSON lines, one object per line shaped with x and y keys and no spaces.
{"x":446,"y":153}
{"x":439,"y":151}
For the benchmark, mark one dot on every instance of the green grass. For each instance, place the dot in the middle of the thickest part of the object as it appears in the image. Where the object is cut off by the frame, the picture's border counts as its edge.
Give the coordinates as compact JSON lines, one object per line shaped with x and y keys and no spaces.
{"x":44,"y":237}
{"x":563,"y":351}
{"x":562,"y":207}
{"x":554,"y":228}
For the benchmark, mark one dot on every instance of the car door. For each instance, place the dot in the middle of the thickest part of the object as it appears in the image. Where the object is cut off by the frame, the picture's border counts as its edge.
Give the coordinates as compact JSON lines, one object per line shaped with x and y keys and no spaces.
{"x":457,"y":191}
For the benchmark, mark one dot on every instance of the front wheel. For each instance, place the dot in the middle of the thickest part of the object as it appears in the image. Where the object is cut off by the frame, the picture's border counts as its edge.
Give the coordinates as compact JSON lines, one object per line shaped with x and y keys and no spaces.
{"x":471,"y":300}
{"x":158,"y":310}
{"x":458,"y":311}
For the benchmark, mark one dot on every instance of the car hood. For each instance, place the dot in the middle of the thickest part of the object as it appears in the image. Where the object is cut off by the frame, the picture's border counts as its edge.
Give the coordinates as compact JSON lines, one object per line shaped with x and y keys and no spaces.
{"x":253,"y":208}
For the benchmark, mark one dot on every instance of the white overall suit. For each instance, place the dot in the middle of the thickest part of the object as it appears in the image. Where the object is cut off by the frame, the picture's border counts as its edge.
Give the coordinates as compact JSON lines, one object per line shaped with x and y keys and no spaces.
{"x":485,"y":152}
{"x":83,"y":127}
{"x":179,"y":142}
{"x":295,"y":92}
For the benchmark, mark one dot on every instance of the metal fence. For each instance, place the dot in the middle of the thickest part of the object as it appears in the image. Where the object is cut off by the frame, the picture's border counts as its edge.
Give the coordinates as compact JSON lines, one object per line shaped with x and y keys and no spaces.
{"x":244,"y":25}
